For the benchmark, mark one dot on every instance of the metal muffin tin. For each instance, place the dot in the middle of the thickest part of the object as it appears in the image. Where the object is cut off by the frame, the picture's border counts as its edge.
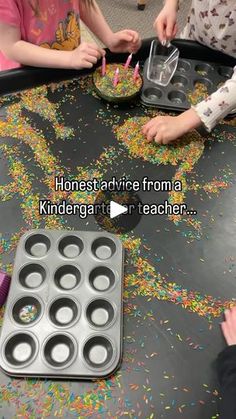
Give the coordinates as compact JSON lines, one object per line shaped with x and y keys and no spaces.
{"x":64,"y":315}
{"x":189,"y":72}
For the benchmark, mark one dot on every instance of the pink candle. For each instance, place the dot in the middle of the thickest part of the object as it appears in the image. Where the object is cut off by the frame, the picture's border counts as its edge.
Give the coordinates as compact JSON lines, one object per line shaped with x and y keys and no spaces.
{"x":136,"y":71}
{"x":129,"y":59}
{"x":116,"y":77}
{"x":103,"y":66}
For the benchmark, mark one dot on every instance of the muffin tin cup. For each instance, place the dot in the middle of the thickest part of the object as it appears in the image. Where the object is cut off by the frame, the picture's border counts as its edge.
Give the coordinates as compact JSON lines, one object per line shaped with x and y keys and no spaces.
{"x":26,"y":310}
{"x":225,"y":72}
{"x":64,"y":311}
{"x":98,"y":352}
{"x":67,"y":277}
{"x":70,"y":246}
{"x":61,"y":300}
{"x":100,"y":313}
{"x":102,"y":278}
{"x":103,"y":248}
{"x":59,"y":350}
{"x":174,"y":96}
{"x":32,"y":276}
{"x":20,"y":349}
{"x":37,"y":245}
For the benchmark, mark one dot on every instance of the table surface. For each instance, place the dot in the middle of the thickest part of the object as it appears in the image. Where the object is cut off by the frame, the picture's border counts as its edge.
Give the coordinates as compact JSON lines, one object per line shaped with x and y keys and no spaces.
{"x":179,"y":273}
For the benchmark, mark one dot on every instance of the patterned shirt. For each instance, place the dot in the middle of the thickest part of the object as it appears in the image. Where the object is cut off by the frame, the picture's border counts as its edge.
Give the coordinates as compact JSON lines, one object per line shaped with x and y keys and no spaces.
{"x":213,"y":23}
{"x":55,"y":25}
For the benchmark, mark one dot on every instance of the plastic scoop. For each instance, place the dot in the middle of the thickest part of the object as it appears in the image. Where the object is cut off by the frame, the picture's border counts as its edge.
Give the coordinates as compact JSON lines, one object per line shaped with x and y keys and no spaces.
{"x":162,"y":63}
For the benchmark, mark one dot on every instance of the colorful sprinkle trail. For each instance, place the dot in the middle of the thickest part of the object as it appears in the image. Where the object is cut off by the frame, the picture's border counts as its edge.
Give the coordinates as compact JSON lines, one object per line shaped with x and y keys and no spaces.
{"x":38,"y":141}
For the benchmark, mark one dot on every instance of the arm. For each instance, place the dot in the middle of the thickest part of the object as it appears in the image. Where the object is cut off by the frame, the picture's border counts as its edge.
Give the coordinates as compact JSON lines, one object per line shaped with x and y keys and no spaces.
{"x":25,"y":53}
{"x":172,"y":3}
{"x":226,"y":367}
{"x":94,"y":19}
{"x":164,"y":129}
{"x":28,"y":54}
{"x":122,"y":41}
{"x":217,"y":105}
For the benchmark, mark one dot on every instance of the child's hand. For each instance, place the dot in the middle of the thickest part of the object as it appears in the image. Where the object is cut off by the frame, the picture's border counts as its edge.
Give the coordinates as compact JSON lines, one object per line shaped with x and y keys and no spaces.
{"x":229,"y":326}
{"x":165,"y":23}
{"x":164,"y":129}
{"x":86,"y":55}
{"x":125,"y":41}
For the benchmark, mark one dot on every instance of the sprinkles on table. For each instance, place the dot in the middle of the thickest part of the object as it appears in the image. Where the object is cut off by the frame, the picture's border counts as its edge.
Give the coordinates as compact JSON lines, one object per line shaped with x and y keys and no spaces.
{"x":110,"y":398}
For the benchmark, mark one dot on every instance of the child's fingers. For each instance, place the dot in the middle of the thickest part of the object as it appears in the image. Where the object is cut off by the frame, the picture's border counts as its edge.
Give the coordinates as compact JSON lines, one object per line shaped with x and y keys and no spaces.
{"x":152,"y":133}
{"x":233,"y":318}
{"x":227,"y":314}
{"x":91,"y":59}
{"x":230,"y":320}
{"x":126,"y":35}
{"x":95,"y":47}
{"x":134,"y":34}
{"x":130,"y":32}
{"x":93,"y":53}
{"x":229,"y":326}
{"x":226,"y":332}
{"x":144,"y":129}
{"x":170,"y":28}
{"x":158,"y":139}
{"x":160,"y":29}
{"x":87,"y":64}
{"x":136,"y":38}
{"x":147,"y":126}
{"x":233,"y":311}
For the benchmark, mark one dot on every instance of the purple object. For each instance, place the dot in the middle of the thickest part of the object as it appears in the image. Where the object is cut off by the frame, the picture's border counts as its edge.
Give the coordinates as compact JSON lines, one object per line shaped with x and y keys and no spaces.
{"x":4,"y":287}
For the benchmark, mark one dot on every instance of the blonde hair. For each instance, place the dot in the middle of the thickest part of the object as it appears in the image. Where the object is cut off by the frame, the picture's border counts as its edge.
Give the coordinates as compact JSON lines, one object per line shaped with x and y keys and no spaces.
{"x":34,"y":4}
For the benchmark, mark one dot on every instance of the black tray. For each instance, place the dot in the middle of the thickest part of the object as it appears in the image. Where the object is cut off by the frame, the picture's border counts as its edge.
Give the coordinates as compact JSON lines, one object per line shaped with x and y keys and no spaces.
{"x":28,"y":77}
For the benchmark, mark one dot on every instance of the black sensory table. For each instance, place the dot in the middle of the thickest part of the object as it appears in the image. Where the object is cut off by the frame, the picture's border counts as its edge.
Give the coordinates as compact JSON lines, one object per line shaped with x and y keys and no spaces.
{"x":180,"y":271}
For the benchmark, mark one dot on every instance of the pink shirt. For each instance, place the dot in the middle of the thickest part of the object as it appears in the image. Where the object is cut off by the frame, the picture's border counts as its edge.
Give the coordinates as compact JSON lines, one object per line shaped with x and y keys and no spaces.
{"x":56,"y":26}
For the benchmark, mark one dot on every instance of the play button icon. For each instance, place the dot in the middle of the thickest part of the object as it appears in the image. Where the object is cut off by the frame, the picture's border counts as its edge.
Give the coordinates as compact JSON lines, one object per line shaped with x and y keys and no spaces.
{"x":118,"y":219}
{"x":117,"y":209}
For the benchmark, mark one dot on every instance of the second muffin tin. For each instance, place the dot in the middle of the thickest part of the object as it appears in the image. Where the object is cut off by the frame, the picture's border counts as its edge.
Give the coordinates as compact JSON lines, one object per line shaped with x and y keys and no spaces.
{"x":174,"y":97}
{"x":64,"y":311}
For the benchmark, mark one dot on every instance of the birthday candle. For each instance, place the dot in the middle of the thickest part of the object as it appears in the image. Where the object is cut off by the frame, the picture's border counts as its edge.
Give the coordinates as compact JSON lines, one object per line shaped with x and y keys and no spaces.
{"x":103,"y":66}
{"x":128,"y":61}
{"x":136,"y":71}
{"x":116,"y":78}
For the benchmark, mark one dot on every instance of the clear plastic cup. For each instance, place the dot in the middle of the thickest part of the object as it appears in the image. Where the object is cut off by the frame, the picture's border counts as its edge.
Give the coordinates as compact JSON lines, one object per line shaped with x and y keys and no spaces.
{"x":162,"y":63}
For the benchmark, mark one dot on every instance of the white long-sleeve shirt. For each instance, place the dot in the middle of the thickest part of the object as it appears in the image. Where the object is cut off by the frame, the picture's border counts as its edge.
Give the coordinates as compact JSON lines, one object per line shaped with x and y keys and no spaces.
{"x":213,"y":23}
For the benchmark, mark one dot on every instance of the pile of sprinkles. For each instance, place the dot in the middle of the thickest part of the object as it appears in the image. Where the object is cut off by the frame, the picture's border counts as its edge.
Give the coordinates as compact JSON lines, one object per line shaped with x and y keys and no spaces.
{"x":130,"y":134}
{"x":112,"y":398}
{"x":186,"y":152}
{"x":199,"y":93}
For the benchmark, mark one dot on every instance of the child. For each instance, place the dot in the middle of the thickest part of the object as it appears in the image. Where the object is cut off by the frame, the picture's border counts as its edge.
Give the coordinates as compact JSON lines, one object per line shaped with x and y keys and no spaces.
{"x":46,"y":33}
{"x":212,"y":23}
{"x":226,"y":366}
